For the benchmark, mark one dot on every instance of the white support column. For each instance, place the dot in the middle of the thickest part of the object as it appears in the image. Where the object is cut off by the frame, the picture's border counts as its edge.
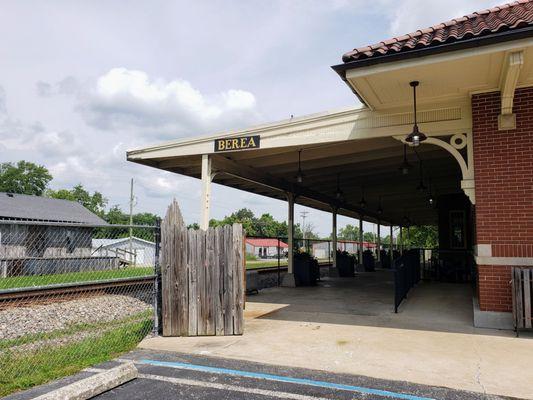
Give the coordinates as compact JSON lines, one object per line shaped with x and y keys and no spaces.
{"x":378,"y":255}
{"x":334,"y":272}
{"x":206,"y":191}
{"x":288,"y":279}
{"x":361,"y":239}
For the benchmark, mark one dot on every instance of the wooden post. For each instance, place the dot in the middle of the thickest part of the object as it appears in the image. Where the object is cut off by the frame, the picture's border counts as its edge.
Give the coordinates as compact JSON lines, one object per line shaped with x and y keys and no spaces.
{"x":206,"y":191}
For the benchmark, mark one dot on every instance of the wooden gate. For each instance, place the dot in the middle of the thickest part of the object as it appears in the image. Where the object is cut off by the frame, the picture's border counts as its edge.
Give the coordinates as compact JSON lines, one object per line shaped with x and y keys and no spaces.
{"x":202,"y":276}
{"x":522,"y":297}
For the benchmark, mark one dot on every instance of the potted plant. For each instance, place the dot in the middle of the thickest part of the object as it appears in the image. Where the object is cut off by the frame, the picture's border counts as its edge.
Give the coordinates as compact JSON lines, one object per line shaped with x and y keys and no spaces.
{"x":368,"y":261}
{"x":345,"y":264}
{"x":306,"y":269}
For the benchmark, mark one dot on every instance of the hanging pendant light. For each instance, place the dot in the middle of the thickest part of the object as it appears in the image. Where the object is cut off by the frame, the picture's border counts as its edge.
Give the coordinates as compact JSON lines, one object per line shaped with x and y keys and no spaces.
{"x":339,"y":194}
{"x":431,"y":199}
{"x":405,"y":167}
{"x":380,"y":208}
{"x":362,"y":202}
{"x":421,"y":187}
{"x":299,"y":175}
{"x":415,"y":137}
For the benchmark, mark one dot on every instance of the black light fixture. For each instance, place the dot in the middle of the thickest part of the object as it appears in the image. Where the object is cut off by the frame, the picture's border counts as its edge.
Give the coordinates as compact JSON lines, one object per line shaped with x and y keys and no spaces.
{"x":431,"y":199}
{"x":421,"y":187}
{"x":380,"y":208}
{"x":362,"y":202}
{"x":415,"y":137}
{"x":406,"y":221}
{"x":299,"y":175}
{"x":339,"y":194}
{"x":405,"y":166}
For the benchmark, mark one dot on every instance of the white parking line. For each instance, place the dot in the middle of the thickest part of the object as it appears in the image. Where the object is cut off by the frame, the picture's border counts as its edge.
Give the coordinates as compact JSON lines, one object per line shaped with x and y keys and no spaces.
{"x":232,"y":388}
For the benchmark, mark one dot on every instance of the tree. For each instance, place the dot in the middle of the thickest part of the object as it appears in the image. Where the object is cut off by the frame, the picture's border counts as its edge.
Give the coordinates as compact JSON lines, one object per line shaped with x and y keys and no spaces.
{"x":369,"y":237}
{"x":194,"y":225}
{"x":93,"y":202}
{"x":24,"y":178}
{"x":424,"y":236}
{"x":349,"y":232}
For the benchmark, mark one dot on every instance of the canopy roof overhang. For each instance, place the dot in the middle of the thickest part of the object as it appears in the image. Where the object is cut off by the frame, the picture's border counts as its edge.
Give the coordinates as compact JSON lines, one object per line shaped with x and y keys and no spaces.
{"x":363,"y":144}
{"x":356,"y":144}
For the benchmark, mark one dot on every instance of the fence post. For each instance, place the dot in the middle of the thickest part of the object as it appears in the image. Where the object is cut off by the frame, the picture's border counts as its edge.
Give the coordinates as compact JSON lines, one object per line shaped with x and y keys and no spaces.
{"x":158,"y":292}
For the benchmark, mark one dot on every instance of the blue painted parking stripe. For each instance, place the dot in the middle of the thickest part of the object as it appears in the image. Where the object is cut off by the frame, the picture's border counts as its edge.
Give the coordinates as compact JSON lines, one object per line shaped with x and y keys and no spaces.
{"x":279,"y":378}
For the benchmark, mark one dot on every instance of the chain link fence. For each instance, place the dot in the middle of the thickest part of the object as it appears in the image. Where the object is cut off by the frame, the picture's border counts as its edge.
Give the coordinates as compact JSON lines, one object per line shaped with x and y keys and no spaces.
{"x":72,"y":295}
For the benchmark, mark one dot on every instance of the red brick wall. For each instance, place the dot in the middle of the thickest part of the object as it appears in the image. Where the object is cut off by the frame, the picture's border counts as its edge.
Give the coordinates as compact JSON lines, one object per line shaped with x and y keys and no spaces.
{"x":503,"y":162}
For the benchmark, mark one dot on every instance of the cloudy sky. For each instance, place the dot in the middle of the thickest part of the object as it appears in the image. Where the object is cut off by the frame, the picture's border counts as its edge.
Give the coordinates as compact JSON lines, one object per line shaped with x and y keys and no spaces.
{"x":83,"y":81}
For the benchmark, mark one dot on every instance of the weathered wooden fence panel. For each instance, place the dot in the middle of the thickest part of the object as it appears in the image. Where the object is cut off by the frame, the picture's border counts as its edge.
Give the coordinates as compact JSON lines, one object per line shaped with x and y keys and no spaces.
{"x":202,"y":278}
{"x":522,"y":297}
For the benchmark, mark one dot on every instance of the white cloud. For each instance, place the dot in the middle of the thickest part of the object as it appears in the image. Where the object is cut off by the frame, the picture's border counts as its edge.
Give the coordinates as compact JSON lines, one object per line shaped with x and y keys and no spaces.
{"x":124,"y":98}
{"x":409,"y":15}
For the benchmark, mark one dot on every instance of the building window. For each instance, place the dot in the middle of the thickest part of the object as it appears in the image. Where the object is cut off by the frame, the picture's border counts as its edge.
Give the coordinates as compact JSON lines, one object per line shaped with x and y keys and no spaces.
{"x":457,"y":229}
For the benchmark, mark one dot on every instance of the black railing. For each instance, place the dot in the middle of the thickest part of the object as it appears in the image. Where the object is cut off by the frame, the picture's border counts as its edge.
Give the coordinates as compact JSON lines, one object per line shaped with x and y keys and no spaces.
{"x":406,"y":275}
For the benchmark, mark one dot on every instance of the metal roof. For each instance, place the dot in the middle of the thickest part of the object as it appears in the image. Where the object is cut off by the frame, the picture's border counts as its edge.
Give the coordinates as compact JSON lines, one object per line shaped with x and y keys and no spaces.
{"x":37,"y":208}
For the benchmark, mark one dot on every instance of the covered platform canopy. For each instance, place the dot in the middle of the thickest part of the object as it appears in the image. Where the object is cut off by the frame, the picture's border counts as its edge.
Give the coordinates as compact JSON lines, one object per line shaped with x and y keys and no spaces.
{"x":355,"y":150}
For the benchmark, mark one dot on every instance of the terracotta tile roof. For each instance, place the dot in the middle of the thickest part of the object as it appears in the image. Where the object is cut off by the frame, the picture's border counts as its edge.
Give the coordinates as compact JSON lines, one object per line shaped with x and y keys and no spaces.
{"x":515,"y":15}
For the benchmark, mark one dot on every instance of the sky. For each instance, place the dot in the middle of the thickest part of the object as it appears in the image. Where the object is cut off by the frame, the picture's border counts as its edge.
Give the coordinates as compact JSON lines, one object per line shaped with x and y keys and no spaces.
{"x":81,"y":82}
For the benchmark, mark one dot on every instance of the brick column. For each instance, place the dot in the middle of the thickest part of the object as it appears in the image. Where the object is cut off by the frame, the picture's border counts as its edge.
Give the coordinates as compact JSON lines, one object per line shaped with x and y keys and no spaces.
{"x":503,"y":163}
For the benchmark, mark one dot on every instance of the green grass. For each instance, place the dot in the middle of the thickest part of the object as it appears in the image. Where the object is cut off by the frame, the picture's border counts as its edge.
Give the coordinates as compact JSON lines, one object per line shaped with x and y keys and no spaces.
{"x":270,"y":263}
{"x":264,"y":264}
{"x":22,"y":370}
{"x":6,"y":344}
{"x":70,"y":277}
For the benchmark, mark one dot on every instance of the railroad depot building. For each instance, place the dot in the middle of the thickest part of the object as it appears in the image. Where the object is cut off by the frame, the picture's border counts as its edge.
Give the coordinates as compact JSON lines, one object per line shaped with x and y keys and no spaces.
{"x":443,"y":136}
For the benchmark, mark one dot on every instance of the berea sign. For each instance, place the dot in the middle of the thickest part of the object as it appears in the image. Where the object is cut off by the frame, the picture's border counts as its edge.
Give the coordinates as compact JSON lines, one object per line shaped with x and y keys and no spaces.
{"x":239,"y":143}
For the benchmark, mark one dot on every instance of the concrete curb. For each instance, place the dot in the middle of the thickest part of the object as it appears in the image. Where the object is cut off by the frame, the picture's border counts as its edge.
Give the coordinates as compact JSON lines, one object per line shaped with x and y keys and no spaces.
{"x":94,"y":385}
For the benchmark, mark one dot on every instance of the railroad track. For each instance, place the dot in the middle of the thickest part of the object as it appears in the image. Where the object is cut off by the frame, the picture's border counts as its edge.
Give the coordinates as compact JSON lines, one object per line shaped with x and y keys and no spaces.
{"x":69,"y":291}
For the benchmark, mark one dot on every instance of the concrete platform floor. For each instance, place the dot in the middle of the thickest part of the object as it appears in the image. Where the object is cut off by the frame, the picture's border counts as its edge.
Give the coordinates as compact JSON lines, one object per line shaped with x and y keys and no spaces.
{"x":348,"y":326}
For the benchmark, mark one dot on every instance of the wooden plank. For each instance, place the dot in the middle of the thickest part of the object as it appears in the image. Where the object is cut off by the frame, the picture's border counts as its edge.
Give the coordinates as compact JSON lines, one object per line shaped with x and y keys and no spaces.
{"x":192,"y":275}
{"x":527,"y":296}
{"x":170,"y":266}
{"x":218,"y":280}
{"x":211,"y":291}
{"x":238,"y":283}
{"x":228,"y":281}
{"x":201,"y":284}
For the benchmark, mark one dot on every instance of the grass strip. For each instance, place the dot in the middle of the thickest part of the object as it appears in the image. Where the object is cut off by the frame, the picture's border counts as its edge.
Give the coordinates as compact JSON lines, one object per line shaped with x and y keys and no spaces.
{"x":36,"y":337}
{"x":19,"y":371}
{"x":70,"y":277}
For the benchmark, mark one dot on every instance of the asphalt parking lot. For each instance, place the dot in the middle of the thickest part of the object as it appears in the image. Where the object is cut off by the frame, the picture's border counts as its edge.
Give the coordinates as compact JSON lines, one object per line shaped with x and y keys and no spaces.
{"x":177,"y":376}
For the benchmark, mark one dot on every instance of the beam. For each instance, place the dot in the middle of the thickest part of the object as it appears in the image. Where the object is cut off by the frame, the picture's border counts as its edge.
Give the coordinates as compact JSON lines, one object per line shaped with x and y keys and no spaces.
{"x":250,"y":174}
{"x":288,"y":279}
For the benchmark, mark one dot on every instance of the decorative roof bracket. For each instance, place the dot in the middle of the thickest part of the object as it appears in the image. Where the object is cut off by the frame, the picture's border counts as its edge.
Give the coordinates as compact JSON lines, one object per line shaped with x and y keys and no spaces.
{"x":457,"y":142}
{"x":509,"y":77}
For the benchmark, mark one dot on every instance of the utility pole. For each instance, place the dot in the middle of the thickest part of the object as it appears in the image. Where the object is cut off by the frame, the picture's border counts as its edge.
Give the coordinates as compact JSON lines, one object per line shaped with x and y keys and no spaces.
{"x":131,"y":219}
{"x":303,"y":214}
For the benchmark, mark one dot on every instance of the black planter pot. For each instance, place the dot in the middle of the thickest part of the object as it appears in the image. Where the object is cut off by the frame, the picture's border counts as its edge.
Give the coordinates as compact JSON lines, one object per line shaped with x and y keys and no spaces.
{"x":346,"y":266}
{"x":368,"y":261}
{"x":306,"y":271}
